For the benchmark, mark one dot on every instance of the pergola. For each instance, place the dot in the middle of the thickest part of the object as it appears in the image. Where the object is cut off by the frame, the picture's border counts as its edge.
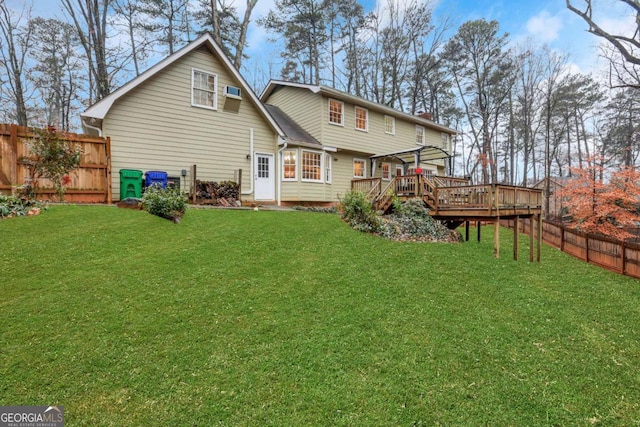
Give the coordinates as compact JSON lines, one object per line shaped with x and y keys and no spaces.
{"x":413,"y":155}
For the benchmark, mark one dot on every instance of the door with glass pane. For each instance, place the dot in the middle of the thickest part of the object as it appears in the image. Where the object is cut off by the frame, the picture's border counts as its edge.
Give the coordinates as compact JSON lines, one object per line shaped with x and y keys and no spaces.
{"x":264,"y":177}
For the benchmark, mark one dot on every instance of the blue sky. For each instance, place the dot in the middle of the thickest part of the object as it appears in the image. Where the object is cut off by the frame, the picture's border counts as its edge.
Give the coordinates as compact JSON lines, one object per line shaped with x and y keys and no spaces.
{"x":545,"y":21}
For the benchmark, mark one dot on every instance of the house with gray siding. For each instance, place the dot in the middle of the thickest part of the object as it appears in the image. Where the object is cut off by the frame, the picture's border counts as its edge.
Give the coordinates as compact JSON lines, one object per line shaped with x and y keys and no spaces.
{"x":367,"y":140}
{"x":294,"y":144}
{"x":192,"y":108}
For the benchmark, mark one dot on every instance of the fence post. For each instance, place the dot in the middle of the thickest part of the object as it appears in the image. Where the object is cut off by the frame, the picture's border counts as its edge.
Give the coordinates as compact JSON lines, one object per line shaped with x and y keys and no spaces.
{"x":13,"y":145}
{"x":109,"y":175}
{"x":239,"y":184}
{"x":624,"y":256}
{"x":586,"y":244}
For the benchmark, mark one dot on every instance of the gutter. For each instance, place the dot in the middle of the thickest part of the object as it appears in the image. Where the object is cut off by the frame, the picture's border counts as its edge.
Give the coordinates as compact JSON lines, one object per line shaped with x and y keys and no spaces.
{"x":250,"y":191}
{"x":97,"y":129}
{"x":278,"y":160}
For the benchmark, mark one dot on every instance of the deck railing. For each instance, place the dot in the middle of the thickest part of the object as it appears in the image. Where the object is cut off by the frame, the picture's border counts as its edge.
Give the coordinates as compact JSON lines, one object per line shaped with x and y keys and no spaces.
{"x":445,"y":181}
{"x":371,"y":186}
{"x":491,"y":198}
{"x":469,"y":196}
{"x":406,"y":185}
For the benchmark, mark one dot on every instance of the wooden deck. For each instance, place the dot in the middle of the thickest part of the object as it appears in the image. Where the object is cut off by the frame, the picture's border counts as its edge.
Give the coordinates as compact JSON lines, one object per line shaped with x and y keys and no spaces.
{"x":454,"y":201}
{"x":454,"y":198}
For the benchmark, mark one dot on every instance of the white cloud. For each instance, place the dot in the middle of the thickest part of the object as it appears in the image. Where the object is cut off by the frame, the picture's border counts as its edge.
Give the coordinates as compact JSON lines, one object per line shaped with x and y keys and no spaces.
{"x":544,"y":27}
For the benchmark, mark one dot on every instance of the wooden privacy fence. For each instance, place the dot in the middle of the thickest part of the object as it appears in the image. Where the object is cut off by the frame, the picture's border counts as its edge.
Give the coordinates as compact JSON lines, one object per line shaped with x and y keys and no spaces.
{"x":90,"y":183}
{"x":619,"y":256}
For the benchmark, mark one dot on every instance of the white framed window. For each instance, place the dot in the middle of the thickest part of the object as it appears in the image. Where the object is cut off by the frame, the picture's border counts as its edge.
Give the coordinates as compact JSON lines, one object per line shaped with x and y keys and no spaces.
{"x":444,"y":139}
{"x":336,"y":112}
{"x":290,"y":165}
{"x":386,"y":171}
{"x":389,"y":125}
{"x":362,"y":119}
{"x":311,"y":166}
{"x":359,"y":168}
{"x":420,"y":136}
{"x":399,"y":170}
{"x":204,"y":89}
{"x":327,"y":168}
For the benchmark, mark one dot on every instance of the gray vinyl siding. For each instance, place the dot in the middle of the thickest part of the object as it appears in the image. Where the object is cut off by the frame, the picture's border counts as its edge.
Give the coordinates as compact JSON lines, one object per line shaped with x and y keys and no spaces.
{"x":302,"y":105}
{"x":375,"y":140}
{"x":154,"y":127}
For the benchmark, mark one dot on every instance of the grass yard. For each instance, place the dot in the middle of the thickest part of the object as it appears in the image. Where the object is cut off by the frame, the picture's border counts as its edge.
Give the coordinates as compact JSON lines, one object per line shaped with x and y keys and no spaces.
{"x":243,"y":318}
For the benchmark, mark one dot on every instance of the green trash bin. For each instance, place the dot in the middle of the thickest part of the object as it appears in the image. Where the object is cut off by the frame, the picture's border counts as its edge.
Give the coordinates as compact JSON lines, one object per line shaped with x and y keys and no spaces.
{"x":130,"y":183}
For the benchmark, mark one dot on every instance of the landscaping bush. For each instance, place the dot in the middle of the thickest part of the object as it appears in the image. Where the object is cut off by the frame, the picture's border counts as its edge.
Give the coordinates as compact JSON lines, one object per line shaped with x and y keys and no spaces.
{"x":17,"y":206}
{"x":52,"y":157}
{"x":167,"y":203}
{"x":411,"y":221}
{"x":355,"y":208}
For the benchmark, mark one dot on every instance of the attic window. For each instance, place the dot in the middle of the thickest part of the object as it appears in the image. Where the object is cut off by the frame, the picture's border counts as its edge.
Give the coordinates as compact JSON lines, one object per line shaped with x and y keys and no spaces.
{"x":204,"y":89}
{"x":234,"y":91}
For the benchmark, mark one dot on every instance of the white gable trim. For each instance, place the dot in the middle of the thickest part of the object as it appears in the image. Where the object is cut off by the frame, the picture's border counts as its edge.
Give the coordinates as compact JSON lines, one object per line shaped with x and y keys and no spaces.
{"x":100,"y":109}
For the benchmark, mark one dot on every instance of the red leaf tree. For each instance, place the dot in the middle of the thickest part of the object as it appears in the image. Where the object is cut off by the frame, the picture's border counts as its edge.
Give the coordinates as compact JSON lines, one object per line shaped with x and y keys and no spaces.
{"x":599,"y":207}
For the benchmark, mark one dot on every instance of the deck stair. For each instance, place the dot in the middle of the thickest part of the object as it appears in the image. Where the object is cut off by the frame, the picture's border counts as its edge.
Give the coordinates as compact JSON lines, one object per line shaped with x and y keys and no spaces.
{"x":454,"y":200}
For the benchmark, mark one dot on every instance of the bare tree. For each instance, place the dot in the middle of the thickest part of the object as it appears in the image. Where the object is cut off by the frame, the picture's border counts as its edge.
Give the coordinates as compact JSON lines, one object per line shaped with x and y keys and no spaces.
{"x":90,"y":19}
{"x":130,"y":16}
{"x":626,"y":45}
{"x":13,"y":54}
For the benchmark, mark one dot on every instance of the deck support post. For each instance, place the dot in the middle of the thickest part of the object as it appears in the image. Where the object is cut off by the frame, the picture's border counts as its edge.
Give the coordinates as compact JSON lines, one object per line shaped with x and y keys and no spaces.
{"x":516,"y":236}
{"x":539,"y":237}
{"x":496,"y":238}
{"x":466,"y":231}
{"x":531,"y":238}
{"x":479,"y":227}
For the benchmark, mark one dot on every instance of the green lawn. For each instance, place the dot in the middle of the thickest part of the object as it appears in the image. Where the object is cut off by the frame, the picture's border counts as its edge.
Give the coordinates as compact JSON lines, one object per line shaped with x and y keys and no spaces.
{"x":243,"y":318}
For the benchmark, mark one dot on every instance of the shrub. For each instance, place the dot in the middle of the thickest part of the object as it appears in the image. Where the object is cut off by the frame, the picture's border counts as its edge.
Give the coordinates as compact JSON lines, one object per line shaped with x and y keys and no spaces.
{"x":167,"y":203}
{"x":17,"y":206}
{"x":411,"y":221}
{"x":355,"y":208}
{"x":51,"y":157}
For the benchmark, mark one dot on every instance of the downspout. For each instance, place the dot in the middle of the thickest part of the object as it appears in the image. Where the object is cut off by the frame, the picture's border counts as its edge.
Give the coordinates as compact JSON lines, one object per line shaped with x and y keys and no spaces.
{"x":278,"y":160}
{"x":97,"y":129}
{"x":251,"y":177}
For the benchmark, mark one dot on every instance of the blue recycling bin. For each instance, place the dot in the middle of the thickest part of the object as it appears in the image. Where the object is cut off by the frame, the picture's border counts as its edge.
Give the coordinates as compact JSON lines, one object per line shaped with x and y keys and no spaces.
{"x":156,"y":177}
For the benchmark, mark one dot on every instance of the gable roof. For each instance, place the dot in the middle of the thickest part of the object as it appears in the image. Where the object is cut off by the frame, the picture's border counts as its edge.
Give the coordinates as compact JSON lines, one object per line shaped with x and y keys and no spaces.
{"x":352,"y":99}
{"x":100,"y":109}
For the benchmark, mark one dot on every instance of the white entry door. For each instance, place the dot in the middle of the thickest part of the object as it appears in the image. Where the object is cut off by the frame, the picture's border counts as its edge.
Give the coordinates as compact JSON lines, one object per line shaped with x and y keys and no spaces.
{"x":264,"y":177}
